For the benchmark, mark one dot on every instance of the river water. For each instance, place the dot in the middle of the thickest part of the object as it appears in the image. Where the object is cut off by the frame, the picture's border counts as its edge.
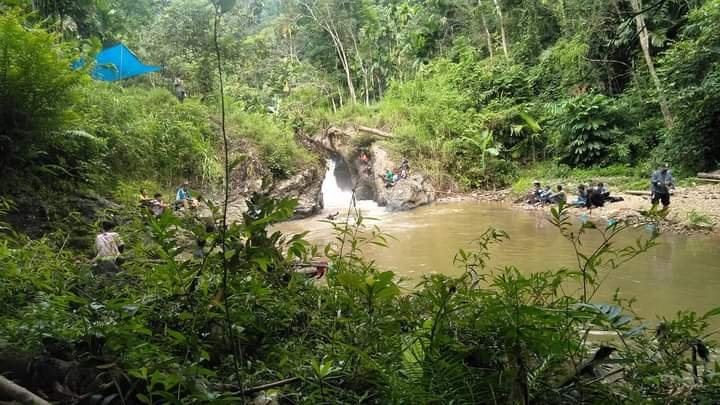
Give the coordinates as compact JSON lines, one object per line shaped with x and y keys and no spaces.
{"x":682,"y":272}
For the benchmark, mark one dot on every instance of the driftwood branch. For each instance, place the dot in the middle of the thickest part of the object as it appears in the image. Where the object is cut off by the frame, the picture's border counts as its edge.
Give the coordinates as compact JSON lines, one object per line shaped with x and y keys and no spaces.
{"x":637,"y":192}
{"x":259,"y":388}
{"x":20,"y":394}
{"x":374,"y":131}
{"x":709,"y":176}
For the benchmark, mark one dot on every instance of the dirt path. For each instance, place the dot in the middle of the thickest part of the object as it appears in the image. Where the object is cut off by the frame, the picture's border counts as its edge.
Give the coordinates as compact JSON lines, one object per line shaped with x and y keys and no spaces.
{"x":702,"y":200}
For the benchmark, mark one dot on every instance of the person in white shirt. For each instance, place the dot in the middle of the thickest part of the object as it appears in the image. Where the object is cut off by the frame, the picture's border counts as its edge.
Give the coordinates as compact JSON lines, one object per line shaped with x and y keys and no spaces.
{"x":109,"y":247}
{"x":157,"y":205}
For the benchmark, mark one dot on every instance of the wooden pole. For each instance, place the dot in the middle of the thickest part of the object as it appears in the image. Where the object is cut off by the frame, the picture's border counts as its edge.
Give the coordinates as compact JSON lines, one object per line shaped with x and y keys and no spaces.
{"x":374,"y":131}
{"x":20,"y":394}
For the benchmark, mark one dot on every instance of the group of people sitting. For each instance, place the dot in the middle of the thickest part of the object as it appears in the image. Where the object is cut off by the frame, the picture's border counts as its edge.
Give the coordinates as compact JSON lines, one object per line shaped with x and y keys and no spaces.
{"x":157,"y":206}
{"x":593,"y":196}
{"x":587,"y":196}
{"x":540,"y":195}
{"x":396,"y":174}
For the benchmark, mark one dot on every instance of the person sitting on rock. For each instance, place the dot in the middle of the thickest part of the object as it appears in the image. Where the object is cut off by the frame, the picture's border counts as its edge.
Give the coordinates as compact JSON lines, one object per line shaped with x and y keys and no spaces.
{"x":546,"y":195}
{"x":605,"y":194}
{"x":183,"y":199}
{"x":389,"y":178}
{"x":582,"y":197}
{"x":396,"y":175}
{"x":594,"y":198}
{"x":143,"y":198}
{"x":534,"y":194}
{"x":365,"y":163}
{"x":157,"y":205}
{"x":405,"y":169}
{"x":108,"y":246}
{"x":603,"y":191}
{"x":558,"y":196}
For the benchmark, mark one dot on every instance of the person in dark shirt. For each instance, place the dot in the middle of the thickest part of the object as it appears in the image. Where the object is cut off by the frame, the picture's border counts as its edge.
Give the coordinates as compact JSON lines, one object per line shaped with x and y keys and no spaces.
{"x":661,"y":183}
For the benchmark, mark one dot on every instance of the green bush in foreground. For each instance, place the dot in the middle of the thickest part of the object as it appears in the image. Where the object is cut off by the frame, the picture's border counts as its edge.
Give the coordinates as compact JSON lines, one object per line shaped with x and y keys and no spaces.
{"x":183,"y":334}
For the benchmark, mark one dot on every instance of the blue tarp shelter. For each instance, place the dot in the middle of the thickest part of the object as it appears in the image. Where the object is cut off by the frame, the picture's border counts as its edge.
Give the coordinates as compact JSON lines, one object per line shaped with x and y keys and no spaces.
{"x":117,"y":63}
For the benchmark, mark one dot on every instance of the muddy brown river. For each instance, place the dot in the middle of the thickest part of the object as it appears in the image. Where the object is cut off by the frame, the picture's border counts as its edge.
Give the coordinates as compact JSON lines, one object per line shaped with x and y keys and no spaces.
{"x":682,"y":272}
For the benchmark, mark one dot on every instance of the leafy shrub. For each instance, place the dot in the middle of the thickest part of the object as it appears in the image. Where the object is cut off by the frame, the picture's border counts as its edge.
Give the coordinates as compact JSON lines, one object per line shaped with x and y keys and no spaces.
{"x":149,"y":134}
{"x":585,"y":129}
{"x":699,"y":220}
{"x":276,"y":142}
{"x":36,"y":94}
{"x":691,"y":69}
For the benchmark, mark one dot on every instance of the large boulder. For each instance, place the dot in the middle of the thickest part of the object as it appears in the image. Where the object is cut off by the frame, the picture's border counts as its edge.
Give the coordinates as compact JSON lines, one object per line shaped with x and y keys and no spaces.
{"x":247,"y":178}
{"x":409,"y":193}
{"x":306,"y":187}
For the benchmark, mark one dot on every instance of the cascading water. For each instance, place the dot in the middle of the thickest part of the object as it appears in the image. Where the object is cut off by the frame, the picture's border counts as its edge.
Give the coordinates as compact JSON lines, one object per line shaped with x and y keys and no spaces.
{"x":337,"y":190}
{"x":334,"y":196}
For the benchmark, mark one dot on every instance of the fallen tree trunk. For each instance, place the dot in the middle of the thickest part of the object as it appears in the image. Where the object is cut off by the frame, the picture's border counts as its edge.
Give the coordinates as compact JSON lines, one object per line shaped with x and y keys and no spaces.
{"x":708,"y":179}
{"x":11,"y":390}
{"x":374,"y":131}
{"x":641,"y":192}
{"x":712,"y":176}
{"x":636,"y":192}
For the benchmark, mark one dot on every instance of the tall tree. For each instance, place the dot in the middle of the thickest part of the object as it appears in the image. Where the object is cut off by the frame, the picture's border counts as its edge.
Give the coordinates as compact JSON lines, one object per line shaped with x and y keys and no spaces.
{"x":485,"y":28}
{"x":322,"y":14}
{"x":642,"y":31}
{"x":501,"y":22}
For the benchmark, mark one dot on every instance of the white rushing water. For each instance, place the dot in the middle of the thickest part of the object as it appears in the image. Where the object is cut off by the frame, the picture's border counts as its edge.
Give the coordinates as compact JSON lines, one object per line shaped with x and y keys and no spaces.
{"x":337,"y":194}
{"x":333,"y":195}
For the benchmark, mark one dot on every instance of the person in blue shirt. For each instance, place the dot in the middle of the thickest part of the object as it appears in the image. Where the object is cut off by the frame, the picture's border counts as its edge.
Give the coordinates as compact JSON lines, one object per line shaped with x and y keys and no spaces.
{"x":582,"y":197}
{"x":661,"y":182}
{"x":183,"y":197}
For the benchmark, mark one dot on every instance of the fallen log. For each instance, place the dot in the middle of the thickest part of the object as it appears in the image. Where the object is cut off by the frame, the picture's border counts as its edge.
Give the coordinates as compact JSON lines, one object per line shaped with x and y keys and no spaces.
{"x":709,"y":180}
{"x":11,"y":390}
{"x":271,"y":385}
{"x":714,"y":176}
{"x":641,"y":192}
{"x":637,"y":192}
{"x":374,"y":131}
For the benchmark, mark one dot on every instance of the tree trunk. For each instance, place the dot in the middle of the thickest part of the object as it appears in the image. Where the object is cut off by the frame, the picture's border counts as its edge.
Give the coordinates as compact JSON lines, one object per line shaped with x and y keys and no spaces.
{"x":18,"y":393}
{"x":329,"y":27}
{"x":645,"y":45}
{"x":502,"y":27}
{"x":485,"y":28}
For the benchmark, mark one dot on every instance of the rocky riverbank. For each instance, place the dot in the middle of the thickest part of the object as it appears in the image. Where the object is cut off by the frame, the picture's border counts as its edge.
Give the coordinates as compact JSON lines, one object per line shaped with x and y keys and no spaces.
{"x":693,"y":210}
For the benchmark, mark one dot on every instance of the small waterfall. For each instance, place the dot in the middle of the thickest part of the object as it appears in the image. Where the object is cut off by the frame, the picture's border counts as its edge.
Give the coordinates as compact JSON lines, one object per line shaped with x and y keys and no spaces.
{"x":333,"y":195}
{"x":337,"y":190}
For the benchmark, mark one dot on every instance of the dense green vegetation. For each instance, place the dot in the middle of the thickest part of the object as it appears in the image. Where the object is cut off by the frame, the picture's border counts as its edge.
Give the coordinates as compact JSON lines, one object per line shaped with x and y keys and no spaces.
{"x":478,"y":94}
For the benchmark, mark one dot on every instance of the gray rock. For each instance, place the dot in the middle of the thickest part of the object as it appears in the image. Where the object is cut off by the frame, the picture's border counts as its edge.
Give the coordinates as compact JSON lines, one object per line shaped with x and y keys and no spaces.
{"x":406,"y":194}
{"x":306,"y":187}
{"x":410,"y":193}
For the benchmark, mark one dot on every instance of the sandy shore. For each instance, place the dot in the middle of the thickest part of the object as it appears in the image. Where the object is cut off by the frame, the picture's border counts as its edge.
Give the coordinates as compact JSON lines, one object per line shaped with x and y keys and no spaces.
{"x":702,"y":199}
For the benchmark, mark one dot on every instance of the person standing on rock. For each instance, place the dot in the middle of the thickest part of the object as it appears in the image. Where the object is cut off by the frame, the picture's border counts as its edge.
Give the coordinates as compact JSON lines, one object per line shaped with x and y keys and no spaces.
{"x":661,"y":183}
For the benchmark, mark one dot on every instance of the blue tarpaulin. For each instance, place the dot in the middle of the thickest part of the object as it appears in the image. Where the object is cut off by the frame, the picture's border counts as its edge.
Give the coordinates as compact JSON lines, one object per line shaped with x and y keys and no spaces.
{"x":117,"y":63}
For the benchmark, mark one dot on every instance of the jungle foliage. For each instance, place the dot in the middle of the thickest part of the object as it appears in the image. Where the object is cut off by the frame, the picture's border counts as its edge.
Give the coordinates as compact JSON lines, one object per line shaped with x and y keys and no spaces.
{"x":169,"y":329}
{"x":471,"y":90}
